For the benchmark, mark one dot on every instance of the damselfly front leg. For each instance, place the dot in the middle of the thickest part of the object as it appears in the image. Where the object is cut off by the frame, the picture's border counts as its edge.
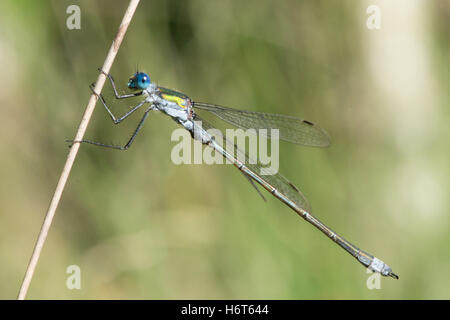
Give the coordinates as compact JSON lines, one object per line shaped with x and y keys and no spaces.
{"x":117,"y":96}
{"x":113,"y":117}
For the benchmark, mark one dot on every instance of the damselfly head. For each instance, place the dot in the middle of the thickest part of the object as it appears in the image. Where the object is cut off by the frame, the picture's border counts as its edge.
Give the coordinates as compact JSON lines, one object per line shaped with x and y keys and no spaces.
{"x":139,"y":81}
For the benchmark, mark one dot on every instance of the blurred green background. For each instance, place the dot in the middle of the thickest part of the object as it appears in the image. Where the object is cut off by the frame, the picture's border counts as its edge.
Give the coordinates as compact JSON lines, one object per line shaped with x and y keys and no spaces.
{"x":141,"y":227}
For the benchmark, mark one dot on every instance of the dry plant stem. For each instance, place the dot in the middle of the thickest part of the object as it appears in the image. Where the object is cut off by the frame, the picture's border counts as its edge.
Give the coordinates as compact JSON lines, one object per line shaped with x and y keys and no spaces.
{"x":74,"y":149}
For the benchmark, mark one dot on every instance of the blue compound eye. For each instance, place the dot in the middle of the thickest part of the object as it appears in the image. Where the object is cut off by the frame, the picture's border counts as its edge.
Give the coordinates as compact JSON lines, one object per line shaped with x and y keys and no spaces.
{"x":139,"y":81}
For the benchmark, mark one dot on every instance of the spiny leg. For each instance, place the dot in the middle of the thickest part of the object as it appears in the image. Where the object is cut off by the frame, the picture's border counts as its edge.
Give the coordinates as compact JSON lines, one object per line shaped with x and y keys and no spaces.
{"x":128,"y":144}
{"x":100,"y":96}
{"x":118,"y":96}
{"x":114,"y":119}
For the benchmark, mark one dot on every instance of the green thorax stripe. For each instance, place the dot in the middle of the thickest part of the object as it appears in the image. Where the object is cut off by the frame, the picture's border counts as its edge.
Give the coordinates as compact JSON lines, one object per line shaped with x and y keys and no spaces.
{"x":172,"y":93}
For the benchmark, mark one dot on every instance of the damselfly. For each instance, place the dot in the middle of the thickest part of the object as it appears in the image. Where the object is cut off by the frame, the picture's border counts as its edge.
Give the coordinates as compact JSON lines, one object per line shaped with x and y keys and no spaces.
{"x":182,"y":109}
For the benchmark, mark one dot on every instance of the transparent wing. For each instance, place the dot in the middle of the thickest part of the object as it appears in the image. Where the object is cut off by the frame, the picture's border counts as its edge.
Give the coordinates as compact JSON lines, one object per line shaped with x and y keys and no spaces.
{"x":276,"y":180}
{"x":291,"y":129}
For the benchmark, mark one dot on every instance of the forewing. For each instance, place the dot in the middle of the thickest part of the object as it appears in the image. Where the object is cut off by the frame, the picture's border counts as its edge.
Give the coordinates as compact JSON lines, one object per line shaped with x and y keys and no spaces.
{"x":291,"y":129}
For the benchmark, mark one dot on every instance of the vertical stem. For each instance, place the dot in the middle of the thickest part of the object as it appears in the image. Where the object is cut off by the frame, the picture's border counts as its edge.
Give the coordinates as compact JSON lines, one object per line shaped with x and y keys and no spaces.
{"x":74,"y":149}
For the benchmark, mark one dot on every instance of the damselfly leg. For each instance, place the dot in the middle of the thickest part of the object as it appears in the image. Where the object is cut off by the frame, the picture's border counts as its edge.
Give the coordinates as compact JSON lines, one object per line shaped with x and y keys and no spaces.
{"x":113,"y":117}
{"x":120,"y":119}
{"x":130,"y":141}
